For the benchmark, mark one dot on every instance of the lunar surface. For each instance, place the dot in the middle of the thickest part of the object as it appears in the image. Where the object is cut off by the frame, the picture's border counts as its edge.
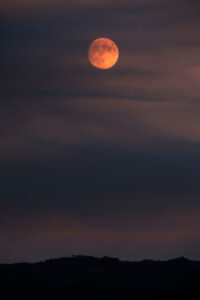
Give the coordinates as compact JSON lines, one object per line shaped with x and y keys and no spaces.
{"x":103,"y":53}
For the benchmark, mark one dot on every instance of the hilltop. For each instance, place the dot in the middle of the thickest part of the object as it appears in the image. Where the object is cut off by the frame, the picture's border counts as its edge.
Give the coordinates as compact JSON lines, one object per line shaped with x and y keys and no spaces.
{"x":87,"y":277}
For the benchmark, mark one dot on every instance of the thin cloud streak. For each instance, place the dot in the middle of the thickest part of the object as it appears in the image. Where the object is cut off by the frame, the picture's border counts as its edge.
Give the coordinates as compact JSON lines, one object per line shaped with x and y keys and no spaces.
{"x":105,"y":153}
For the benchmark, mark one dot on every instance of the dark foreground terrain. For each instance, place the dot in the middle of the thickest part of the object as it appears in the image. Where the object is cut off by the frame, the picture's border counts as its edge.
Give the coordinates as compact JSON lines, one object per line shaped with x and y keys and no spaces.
{"x":83,"y":277}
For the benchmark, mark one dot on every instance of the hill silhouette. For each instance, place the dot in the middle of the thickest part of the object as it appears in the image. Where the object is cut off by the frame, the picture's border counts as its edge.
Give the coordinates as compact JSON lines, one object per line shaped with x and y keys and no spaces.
{"x":87,"y":277}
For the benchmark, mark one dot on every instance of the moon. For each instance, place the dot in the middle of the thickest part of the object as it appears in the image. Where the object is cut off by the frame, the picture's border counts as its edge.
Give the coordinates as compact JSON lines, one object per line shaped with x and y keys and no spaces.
{"x":103,"y":53}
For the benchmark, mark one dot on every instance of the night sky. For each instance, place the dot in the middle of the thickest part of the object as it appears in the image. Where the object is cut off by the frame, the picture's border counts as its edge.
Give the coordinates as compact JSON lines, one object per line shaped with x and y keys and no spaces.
{"x":99,"y":162}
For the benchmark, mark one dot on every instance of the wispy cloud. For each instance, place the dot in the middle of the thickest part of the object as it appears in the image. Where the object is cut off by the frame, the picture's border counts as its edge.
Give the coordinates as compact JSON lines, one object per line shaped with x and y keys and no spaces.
{"x":82,"y":142}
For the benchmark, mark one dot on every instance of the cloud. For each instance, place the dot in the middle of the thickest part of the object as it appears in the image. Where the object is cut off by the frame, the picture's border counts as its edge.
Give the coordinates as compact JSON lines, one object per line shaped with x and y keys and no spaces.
{"x":136,"y":236}
{"x":86,"y":146}
{"x":42,"y":131}
{"x":11,"y":6}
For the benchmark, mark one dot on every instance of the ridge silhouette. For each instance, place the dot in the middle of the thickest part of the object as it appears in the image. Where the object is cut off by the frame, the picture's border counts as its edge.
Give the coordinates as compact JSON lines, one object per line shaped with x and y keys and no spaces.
{"x":107,"y":278}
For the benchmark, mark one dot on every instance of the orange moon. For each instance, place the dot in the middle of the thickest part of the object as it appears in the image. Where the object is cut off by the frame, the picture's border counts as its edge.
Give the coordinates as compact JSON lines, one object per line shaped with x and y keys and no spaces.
{"x":103,"y":53}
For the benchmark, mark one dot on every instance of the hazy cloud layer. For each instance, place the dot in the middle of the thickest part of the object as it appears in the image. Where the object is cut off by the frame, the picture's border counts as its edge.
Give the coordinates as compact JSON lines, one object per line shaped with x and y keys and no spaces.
{"x":86,"y":145}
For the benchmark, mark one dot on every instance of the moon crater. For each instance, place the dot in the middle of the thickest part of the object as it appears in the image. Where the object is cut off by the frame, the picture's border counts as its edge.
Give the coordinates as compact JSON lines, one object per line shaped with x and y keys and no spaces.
{"x":103,"y":53}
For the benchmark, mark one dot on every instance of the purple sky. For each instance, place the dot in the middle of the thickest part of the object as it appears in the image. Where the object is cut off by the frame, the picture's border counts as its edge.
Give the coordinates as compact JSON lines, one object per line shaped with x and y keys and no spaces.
{"x":99,"y":162}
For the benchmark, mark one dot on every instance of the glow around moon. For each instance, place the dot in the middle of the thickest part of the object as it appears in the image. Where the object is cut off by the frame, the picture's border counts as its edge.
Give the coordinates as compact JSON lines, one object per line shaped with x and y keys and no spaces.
{"x":103,"y":53}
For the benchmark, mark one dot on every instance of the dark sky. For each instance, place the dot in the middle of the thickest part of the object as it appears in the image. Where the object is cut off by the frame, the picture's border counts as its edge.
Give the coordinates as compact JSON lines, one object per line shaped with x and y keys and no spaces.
{"x":99,"y":162}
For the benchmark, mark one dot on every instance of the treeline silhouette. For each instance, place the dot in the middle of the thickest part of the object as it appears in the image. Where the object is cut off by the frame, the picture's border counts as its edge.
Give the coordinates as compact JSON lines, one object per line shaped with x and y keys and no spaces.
{"x":86,"y":277}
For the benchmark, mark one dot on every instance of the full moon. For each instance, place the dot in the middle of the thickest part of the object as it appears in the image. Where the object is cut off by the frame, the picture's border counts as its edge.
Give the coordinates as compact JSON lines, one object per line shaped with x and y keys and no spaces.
{"x":103,"y":53}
